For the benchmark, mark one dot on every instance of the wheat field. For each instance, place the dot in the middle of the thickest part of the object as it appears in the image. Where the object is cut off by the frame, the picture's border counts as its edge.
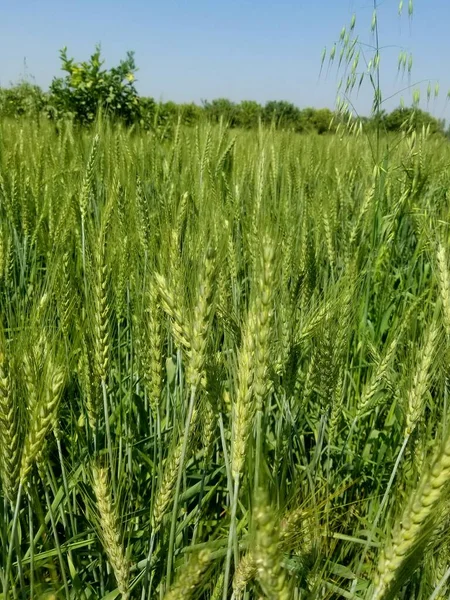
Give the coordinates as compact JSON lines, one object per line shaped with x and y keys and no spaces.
{"x":224,"y":363}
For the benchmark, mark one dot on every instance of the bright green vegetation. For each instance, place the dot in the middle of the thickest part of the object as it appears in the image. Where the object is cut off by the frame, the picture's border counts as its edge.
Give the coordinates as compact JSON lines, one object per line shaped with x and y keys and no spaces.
{"x":223,"y":365}
{"x":88,"y":87}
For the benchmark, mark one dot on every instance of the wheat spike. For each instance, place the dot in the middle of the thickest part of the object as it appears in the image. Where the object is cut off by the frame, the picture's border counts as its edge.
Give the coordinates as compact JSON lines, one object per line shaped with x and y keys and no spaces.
{"x":110,"y":530}
{"x":263,"y":310}
{"x":43,"y":415}
{"x":243,"y":410}
{"x":101,"y":316}
{"x":268,"y":558}
{"x":166,"y":488}
{"x":409,"y":527}
{"x":199,"y":328}
{"x":148,"y":334}
{"x":169,"y":305}
{"x":10,"y":449}
{"x":419,"y":383}
{"x":245,"y":572}
{"x":444,"y":286}
{"x":189,"y":578}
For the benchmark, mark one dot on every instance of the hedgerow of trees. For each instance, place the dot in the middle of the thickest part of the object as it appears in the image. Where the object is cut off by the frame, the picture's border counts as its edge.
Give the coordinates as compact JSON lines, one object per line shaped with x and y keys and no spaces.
{"x":88,"y":87}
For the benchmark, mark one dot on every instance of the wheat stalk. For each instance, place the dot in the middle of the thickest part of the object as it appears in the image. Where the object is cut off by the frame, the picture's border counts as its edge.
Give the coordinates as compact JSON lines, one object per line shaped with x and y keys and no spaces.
{"x":253,"y":359}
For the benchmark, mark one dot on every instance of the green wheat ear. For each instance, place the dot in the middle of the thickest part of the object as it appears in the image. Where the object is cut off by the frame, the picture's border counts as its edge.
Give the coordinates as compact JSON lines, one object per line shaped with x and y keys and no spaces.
{"x":268,"y":557}
{"x":43,"y":415}
{"x":189,"y":577}
{"x":10,"y":448}
{"x":408,"y":529}
{"x":110,"y":530}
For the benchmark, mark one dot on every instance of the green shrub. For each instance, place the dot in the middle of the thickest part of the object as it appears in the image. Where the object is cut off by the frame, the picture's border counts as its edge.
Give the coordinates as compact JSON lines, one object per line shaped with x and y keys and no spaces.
{"x":413,"y":118}
{"x":23,"y":99}
{"x":284,"y":115}
{"x":191,"y":114}
{"x":319,"y":120}
{"x":221,"y":108}
{"x":249,"y":114}
{"x":87,"y":88}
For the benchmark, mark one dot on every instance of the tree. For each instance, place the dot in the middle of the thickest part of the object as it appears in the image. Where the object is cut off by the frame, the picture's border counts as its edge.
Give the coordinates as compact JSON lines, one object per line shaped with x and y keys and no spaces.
{"x":413,"y":118}
{"x":318,"y":120}
{"x":284,"y":115}
{"x":87,"y":88}
{"x":248,"y":114}
{"x":22,"y":100}
{"x":221,"y":108}
{"x":191,"y":114}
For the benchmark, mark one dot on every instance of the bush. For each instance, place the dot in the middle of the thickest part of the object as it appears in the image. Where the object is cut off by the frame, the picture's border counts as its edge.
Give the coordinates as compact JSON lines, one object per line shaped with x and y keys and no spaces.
{"x":191,"y":114}
{"x":284,"y":115}
{"x":221,"y":108}
{"x":411,"y":118}
{"x":319,"y":120}
{"x":249,"y":114}
{"x":87,"y":88}
{"x":22,"y":100}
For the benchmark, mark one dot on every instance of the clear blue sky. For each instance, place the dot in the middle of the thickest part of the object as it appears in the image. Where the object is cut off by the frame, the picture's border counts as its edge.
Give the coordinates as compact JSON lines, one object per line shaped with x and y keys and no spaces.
{"x":239,"y":49}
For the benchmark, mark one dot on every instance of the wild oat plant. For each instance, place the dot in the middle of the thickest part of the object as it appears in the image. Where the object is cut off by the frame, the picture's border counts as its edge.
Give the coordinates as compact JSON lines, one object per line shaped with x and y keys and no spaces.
{"x":224,"y":365}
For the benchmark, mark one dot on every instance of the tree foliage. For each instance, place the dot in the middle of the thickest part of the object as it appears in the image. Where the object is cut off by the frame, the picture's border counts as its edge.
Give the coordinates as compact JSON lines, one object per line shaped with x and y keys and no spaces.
{"x":23,"y":99}
{"x":88,"y":88}
{"x":402,"y":117}
{"x":221,"y":108}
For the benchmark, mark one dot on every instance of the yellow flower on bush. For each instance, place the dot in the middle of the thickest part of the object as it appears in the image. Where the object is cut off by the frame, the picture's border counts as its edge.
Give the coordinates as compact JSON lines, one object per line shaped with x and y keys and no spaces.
{"x":130,"y":77}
